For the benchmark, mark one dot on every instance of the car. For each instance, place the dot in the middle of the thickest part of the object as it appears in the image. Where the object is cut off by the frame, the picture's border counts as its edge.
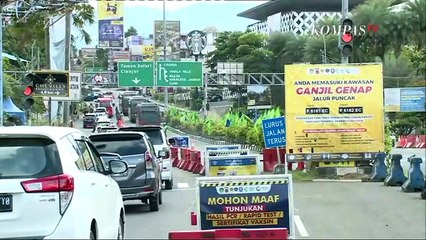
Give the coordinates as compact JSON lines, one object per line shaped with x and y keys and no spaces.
{"x":102,"y":129}
{"x":101,"y":111}
{"x":143,"y":179}
{"x":54,"y":185}
{"x":159,"y":140}
{"x":89,"y":120}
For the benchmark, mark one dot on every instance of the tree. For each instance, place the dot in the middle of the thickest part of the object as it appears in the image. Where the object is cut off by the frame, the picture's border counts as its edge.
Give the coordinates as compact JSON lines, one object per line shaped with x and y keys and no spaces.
{"x":415,"y":12}
{"x":131,"y":32}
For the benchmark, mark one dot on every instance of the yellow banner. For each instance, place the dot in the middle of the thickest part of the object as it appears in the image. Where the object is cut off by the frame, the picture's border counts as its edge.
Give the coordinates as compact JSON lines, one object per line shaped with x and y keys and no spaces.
{"x":334,"y":108}
{"x":148,"y":52}
{"x":110,"y":9}
{"x":233,"y":170}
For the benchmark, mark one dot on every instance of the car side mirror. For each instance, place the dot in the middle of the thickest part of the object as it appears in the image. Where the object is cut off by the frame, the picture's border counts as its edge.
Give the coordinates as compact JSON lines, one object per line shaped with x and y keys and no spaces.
{"x":161,"y":153}
{"x":117,"y":166}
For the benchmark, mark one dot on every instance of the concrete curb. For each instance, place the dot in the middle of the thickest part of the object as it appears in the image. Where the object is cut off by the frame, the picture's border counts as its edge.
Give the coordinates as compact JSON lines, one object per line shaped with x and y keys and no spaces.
{"x":338,"y":180}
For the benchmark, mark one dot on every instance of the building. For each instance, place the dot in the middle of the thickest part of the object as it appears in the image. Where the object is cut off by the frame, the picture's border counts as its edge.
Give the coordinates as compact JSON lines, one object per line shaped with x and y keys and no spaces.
{"x":290,"y":16}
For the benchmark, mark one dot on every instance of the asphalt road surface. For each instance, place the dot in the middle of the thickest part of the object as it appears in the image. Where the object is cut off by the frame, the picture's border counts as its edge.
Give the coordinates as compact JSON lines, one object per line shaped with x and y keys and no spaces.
{"x":322,"y":209}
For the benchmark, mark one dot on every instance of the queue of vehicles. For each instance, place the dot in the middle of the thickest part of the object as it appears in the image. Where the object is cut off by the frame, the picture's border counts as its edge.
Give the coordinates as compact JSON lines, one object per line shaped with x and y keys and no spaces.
{"x":77,"y":185}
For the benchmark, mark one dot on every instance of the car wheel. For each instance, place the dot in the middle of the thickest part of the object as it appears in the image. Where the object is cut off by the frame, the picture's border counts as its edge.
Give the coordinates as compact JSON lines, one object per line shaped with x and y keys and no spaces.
{"x":169,"y":184}
{"x":154,"y":203}
{"x":160,"y":198}
{"x":120,"y":234}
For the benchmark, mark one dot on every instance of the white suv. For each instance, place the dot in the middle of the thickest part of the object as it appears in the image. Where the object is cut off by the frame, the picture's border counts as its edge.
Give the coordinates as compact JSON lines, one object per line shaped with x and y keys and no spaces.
{"x":54,"y":185}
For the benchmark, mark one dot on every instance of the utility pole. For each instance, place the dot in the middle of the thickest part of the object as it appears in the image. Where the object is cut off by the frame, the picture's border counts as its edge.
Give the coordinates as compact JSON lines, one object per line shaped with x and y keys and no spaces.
{"x":166,"y":89}
{"x":67,"y":58}
{"x":345,"y":12}
{"x":1,"y":65}
{"x":47,"y":49}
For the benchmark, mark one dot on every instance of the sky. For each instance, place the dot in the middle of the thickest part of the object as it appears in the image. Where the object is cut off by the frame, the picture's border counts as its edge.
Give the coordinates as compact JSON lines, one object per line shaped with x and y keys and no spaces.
{"x":192,"y":15}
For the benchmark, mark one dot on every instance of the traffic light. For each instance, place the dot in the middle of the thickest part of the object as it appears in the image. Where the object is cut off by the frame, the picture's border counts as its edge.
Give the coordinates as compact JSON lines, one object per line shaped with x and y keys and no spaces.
{"x":28,"y":90}
{"x":346,"y":37}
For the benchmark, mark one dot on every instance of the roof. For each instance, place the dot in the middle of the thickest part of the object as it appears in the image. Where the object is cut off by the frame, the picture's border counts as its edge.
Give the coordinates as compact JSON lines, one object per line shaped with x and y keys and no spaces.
{"x":54,"y":133}
{"x":270,"y":8}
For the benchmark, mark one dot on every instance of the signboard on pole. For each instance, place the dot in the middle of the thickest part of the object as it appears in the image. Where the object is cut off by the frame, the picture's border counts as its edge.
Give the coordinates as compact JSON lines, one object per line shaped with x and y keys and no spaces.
{"x":51,"y":83}
{"x":135,"y":74}
{"x":274,"y":132}
{"x":231,"y":165}
{"x":222,"y":147}
{"x":179,"y":74}
{"x":181,"y":141}
{"x":339,"y":108}
{"x":410,"y":99}
{"x":111,"y":24}
{"x":246,"y":202}
{"x":74,"y":89}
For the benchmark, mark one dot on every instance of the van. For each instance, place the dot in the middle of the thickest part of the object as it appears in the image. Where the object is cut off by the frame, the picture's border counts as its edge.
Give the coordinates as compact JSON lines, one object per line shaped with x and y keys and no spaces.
{"x":148,"y":114}
{"x":132,"y":108}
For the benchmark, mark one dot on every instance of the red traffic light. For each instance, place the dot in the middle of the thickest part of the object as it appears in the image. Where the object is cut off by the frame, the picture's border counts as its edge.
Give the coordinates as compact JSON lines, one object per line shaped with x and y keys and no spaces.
{"x":28,"y":90}
{"x":347,"y":37}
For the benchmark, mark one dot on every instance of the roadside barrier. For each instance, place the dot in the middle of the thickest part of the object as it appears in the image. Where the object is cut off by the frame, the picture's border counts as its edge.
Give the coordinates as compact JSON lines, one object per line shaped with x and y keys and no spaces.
{"x":174,"y":154}
{"x":379,"y":168}
{"x":270,"y":159}
{"x":234,"y":234}
{"x":412,"y":141}
{"x":396,"y":176}
{"x":415,"y":181}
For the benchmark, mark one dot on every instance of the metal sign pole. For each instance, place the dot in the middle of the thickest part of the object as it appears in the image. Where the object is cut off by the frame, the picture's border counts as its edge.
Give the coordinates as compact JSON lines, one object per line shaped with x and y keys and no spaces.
{"x":278,"y":155}
{"x":166,"y":89}
{"x":345,"y":11}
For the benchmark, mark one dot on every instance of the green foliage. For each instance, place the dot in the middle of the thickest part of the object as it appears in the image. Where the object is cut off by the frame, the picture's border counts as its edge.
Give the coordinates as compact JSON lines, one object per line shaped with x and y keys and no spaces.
{"x":131,"y":32}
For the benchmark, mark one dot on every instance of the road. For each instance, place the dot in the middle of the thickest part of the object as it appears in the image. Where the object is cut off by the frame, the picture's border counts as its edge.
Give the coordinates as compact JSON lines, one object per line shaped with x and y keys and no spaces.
{"x":325,"y":210}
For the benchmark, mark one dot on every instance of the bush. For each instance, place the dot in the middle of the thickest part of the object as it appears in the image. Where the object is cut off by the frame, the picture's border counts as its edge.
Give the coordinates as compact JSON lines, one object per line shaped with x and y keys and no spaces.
{"x":197,"y":105}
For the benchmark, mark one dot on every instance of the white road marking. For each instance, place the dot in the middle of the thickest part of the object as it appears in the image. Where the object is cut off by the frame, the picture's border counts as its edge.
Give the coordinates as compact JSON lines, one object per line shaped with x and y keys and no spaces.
{"x":300,"y":227}
{"x":183,"y":185}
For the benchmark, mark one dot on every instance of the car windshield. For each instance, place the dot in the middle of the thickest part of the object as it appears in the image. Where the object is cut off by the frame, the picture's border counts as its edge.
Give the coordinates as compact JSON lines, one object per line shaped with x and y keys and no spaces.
{"x":101,"y":110}
{"x":28,"y":158}
{"x":123,"y":145}
{"x":105,"y":104}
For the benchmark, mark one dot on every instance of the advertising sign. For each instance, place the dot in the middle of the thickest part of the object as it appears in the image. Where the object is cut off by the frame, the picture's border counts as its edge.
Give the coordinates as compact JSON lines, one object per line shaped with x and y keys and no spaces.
{"x":121,"y":56}
{"x":339,"y":108}
{"x":74,"y":89}
{"x":110,"y":24}
{"x":246,"y":202}
{"x":148,"y":52}
{"x":231,"y":165}
{"x":410,"y":99}
{"x":51,"y":83}
{"x":172,"y":40}
{"x":274,"y":132}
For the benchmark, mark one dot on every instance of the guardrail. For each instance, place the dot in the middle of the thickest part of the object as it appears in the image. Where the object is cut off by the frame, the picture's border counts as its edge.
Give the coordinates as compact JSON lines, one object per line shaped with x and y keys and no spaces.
{"x":215,"y":141}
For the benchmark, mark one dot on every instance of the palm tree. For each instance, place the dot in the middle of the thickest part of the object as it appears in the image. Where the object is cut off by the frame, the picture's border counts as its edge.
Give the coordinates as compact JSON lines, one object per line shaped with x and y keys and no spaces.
{"x":371,"y":45}
{"x":416,"y":16}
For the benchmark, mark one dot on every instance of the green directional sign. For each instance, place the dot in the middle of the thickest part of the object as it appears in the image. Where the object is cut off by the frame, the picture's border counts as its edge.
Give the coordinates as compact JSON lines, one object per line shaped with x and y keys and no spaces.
{"x":135,"y":74}
{"x":179,"y":74}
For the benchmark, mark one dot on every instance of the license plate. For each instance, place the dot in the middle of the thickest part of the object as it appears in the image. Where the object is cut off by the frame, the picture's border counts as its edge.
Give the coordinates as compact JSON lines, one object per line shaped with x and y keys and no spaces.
{"x":6,"y":203}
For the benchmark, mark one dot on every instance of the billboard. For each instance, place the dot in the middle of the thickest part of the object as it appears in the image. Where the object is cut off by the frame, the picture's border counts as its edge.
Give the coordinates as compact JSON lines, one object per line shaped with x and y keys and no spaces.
{"x":121,"y":56}
{"x":410,"y":99}
{"x":172,"y":40}
{"x":110,"y":25}
{"x":148,"y":52}
{"x":334,"y":108}
{"x":245,"y":202}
